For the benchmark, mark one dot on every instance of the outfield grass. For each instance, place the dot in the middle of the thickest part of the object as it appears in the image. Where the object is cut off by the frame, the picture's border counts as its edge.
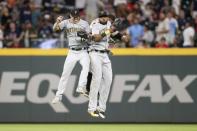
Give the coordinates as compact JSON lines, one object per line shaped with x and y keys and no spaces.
{"x":97,"y":127}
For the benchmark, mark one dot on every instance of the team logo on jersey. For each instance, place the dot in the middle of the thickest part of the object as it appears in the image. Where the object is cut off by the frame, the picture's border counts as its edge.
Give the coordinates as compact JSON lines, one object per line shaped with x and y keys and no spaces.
{"x":72,"y":30}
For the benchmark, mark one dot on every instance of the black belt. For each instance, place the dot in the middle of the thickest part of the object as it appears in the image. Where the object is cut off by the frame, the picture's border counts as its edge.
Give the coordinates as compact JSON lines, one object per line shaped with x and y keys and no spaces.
{"x":101,"y":51}
{"x":78,"y":49}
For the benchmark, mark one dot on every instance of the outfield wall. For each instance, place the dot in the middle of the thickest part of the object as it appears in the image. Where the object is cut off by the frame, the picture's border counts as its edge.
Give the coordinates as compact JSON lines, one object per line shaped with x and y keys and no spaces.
{"x":149,"y":85}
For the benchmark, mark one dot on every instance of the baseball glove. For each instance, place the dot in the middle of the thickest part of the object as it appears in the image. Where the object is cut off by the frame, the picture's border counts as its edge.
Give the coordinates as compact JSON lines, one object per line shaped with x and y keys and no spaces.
{"x":117,"y":23}
{"x":116,"y":35}
{"x":82,"y":34}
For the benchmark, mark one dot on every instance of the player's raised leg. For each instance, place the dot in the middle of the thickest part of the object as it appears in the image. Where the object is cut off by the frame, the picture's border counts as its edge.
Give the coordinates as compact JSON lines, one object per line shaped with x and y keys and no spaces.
{"x":69,"y":64}
{"x":96,"y":67}
{"x":105,"y":88}
{"x":85,"y":63}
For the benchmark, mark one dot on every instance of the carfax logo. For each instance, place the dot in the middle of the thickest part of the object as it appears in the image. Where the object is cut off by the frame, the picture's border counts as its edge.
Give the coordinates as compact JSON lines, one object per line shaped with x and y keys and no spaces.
{"x":149,"y":86}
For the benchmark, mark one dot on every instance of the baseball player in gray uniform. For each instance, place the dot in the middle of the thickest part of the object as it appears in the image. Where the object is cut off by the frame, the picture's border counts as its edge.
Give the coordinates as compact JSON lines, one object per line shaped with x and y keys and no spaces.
{"x":100,"y":66}
{"x":77,"y":52}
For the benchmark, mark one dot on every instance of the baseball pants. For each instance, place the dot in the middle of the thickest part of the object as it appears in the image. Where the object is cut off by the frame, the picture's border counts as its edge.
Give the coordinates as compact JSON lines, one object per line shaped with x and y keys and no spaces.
{"x":101,"y":81}
{"x":70,"y":62}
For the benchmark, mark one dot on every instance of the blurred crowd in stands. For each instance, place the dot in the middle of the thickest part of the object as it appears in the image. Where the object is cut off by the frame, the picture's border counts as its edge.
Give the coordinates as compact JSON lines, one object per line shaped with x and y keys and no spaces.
{"x":149,"y":23}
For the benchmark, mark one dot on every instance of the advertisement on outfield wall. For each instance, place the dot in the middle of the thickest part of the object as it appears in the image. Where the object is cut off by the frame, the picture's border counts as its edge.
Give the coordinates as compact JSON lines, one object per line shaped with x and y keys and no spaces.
{"x":144,"y":89}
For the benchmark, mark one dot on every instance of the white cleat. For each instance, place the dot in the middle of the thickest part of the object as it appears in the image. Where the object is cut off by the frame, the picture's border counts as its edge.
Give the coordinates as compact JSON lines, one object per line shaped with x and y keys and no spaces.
{"x":94,"y":114}
{"x":56,"y":100}
{"x":102,"y":115}
{"x":81,"y":91}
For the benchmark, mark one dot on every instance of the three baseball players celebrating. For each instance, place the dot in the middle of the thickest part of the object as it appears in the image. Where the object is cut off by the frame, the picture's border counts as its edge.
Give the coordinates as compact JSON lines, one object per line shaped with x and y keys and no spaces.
{"x":97,"y":60}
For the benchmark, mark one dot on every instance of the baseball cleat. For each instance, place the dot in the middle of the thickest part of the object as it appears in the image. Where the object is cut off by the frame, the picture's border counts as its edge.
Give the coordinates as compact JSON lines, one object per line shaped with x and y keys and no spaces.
{"x":102,"y":115}
{"x":56,"y":100}
{"x":94,"y":114}
{"x":86,"y":94}
{"x":82,"y":92}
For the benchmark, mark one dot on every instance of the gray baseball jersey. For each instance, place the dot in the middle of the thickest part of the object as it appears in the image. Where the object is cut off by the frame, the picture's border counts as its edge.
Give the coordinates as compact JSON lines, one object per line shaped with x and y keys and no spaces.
{"x":96,"y":28}
{"x":71,"y":31}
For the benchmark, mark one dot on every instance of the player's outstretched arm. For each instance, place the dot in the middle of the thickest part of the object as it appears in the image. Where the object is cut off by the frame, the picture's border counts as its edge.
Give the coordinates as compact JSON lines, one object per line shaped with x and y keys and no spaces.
{"x":56,"y":26}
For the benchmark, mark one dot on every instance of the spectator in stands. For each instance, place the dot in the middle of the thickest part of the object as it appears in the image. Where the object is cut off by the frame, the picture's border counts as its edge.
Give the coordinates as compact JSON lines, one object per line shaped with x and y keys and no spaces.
{"x":148,"y":10}
{"x":13,"y":36}
{"x":195,"y":24}
{"x":57,"y":6}
{"x":136,"y":32}
{"x":152,"y":21}
{"x":28,"y":34}
{"x":162,"y":43}
{"x":15,"y":14}
{"x":194,"y":8}
{"x":166,"y":7}
{"x":188,"y":35}
{"x":25,"y":12}
{"x":176,"y":4}
{"x":11,"y":3}
{"x":36,"y":12}
{"x":45,"y":30}
{"x":5,"y":15}
{"x":1,"y":36}
{"x":46,"y":4}
{"x":130,"y":18}
{"x":173,"y":27}
{"x":157,"y":5}
{"x":148,"y":36}
{"x":182,"y":20}
{"x":120,"y":8}
{"x":162,"y":29}
{"x":137,"y":8}
{"x":186,"y":6}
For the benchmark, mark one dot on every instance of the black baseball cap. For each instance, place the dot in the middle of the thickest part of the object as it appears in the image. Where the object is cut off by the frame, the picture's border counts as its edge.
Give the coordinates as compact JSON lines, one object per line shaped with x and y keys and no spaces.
{"x":102,"y":14}
{"x":112,"y":17}
{"x":74,"y":13}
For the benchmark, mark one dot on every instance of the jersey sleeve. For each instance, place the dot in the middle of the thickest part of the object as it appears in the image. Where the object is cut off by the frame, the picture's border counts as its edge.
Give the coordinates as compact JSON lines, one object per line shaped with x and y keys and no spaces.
{"x":87,"y":27}
{"x":95,"y":29}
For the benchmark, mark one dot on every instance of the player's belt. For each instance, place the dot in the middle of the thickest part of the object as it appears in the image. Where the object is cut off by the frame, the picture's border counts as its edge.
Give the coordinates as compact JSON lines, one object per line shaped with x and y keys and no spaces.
{"x":101,"y":51}
{"x":78,"y":49}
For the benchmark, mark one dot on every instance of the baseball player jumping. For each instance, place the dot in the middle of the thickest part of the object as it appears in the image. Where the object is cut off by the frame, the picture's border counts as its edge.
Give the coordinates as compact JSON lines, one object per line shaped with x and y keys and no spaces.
{"x":77,"y":52}
{"x":103,"y":29}
{"x":100,"y":66}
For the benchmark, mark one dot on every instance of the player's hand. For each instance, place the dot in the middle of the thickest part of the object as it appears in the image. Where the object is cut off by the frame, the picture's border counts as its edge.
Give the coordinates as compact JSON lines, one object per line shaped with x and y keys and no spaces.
{"x":105,"y":32}
{"x":59,"y":19}
{"x":125,"y":38}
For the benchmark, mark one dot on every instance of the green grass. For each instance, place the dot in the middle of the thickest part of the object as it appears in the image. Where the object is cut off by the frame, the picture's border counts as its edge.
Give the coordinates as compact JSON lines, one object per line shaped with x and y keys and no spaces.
{"x":98,"y":127}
